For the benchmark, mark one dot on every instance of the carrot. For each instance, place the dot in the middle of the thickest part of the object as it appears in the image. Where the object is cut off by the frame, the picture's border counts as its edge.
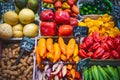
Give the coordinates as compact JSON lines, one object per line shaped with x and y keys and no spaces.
{"x":42,"y":47}
{"x":70,"y":47}
{"x":62,"y":45}
{"x":75,"y":9}
{"x":57,"y":52}
{"x":49,"y":44}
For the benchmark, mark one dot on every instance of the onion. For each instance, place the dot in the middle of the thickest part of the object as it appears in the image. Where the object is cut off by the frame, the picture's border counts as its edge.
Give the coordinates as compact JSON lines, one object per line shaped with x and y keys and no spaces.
{"x":46,"y":67}
{"x":40,"y":76}
{"x":55,"y":66}
{"x":64,"y":70}
{"x":48,"y":72}
{"x":58,"y":69}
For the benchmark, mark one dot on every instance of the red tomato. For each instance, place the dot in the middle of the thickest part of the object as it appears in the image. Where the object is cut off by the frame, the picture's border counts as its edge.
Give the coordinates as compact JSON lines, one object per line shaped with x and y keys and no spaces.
{"x":65,"y":30}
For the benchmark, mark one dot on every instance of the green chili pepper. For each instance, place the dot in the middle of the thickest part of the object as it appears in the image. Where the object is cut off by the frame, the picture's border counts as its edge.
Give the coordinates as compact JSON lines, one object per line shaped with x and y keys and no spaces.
{"x":50,"y":6}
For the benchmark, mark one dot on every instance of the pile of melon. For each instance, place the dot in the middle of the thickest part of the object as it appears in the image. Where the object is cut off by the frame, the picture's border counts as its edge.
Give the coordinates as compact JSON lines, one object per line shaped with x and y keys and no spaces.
{"x":18,"y":25}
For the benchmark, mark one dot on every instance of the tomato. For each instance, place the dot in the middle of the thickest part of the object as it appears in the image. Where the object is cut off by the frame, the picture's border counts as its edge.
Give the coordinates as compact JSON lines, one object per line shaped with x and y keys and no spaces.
{"x":65,"y":30}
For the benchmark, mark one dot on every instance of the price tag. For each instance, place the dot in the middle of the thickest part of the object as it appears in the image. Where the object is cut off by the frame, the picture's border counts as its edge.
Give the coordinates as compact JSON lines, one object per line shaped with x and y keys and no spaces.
{"x":80,"y":31}
{"x":118,"y":24}
{"x":82,"y":64}
{"x":6,"y":6}
{"x":27,"y":44}
{"x":116,"y":14}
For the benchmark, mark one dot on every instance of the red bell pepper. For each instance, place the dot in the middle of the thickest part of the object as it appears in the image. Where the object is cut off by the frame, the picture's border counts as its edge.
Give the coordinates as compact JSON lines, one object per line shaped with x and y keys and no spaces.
{"x":103,"y":39}
{"x":96,"y":36}
{"x":110,"y":43}
{"x":62,"y":17}
{"x":48,"y":28}
{"x":90,"y":54}
{"x":46,"y":15}
{"x":96,"y":45}
{"x":106,"y":55}
{"x":90,"y":49}
{"x":88,"y":40}
{"x":83,"y":46}
{"x":115,"y":54}
{"x":105,"y":46}
{"x":116,"y":42}
{"x":82,"y":53}
{"x":73,"y":22}
{"x":65,"y":30}
{"x":118,"y":49}
{"x":98,"y":53}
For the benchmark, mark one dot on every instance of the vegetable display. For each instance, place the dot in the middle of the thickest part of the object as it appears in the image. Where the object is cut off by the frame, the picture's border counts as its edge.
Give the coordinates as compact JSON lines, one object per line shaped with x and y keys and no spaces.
{"x":63,"y":49}
{"x":56,"y":51}
{"x":98,"y":72}
{"x":100,"y":47}
{"x":9,"y":70}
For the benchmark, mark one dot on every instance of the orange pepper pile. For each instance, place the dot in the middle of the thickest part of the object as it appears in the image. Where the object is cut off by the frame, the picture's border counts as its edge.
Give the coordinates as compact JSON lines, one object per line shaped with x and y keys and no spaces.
{"x":47,"y":50}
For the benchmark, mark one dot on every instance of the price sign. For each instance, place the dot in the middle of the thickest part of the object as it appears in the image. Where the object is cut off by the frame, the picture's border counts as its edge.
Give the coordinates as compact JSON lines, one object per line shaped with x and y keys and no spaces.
{"x":118,"y":24}
{"x":82,"y":64}
{"x":80,"y":31}
{"x":26,"y":45}
{"x":6,"y":6}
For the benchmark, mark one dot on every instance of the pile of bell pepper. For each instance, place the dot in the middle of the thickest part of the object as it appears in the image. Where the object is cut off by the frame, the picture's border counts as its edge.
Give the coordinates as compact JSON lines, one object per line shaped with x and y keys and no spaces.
{"x":56,"y":23}
{"x":51,"y":50}
{"x":100,"y":47}
{"x":58,"y":17}
{"x":65,"y":5}
{"x":104,"y":25}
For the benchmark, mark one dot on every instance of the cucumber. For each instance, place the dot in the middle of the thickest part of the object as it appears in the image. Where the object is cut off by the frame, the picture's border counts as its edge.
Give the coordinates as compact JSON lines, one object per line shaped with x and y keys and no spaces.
{"x":96,"y":72}
{"x":90,"y":74}
{"x":116,"y":73}
{"x":86,"y":74}
{"x":103,"y":73}
{"x":112,"y":72}
{"x":93,"y":74}
{"x":100,"y":75}
{"x":118,"y":68}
